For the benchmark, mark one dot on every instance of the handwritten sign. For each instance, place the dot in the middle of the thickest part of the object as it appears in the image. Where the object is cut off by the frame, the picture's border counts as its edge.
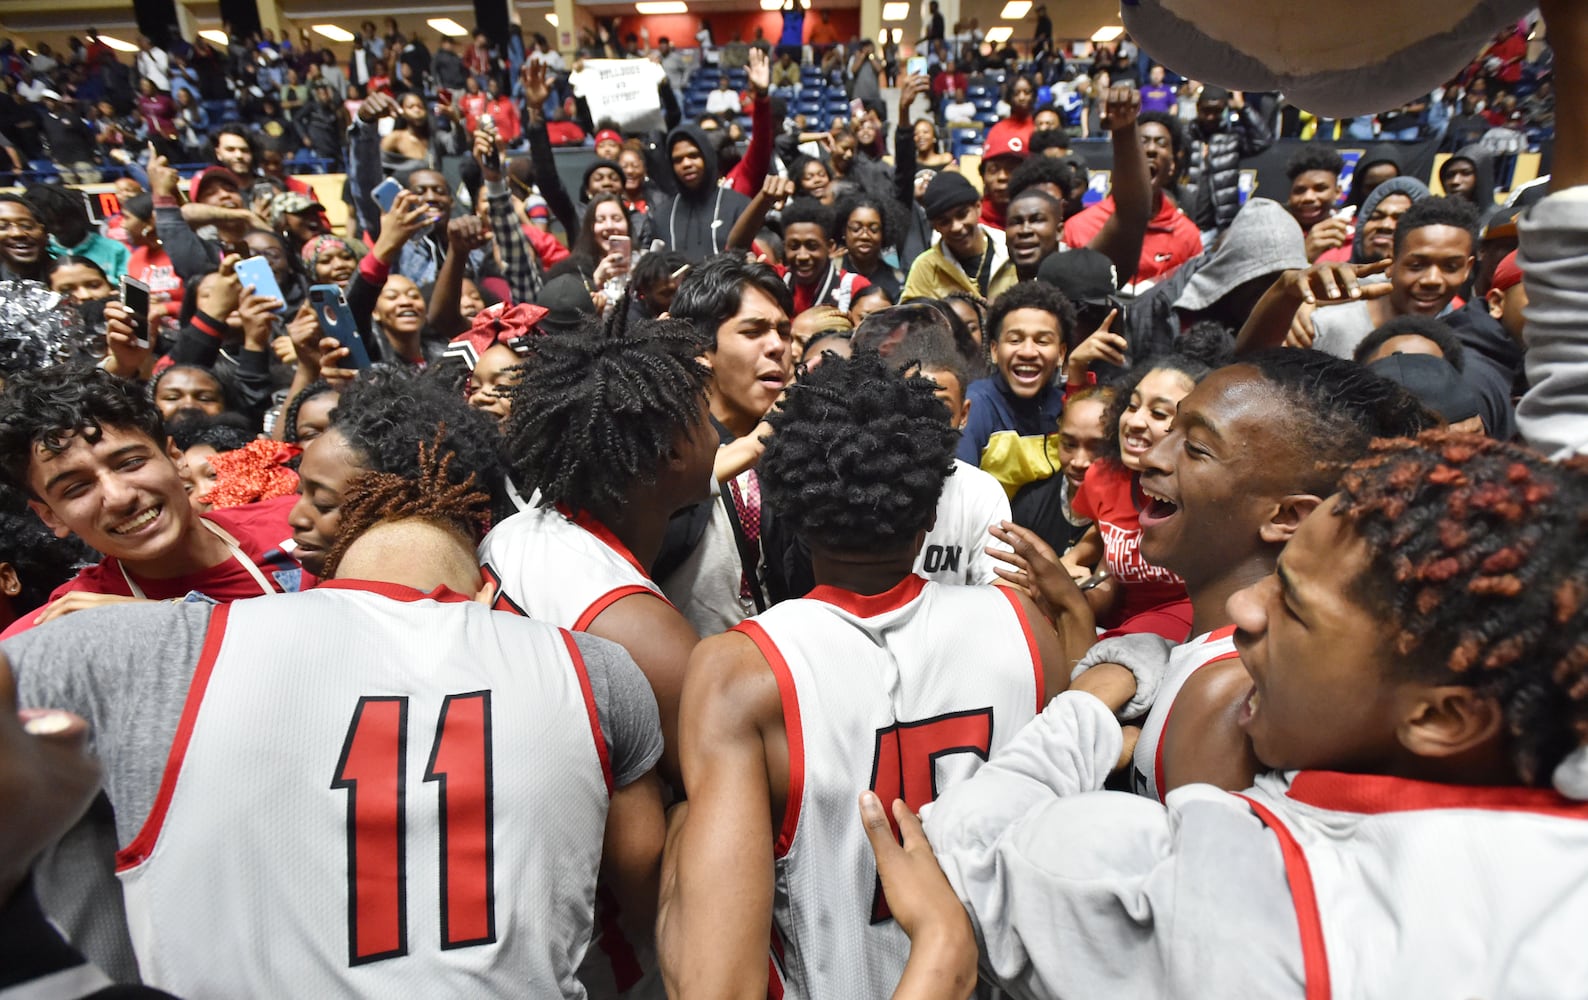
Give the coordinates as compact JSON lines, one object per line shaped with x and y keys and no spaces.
{"x":623,"y":90}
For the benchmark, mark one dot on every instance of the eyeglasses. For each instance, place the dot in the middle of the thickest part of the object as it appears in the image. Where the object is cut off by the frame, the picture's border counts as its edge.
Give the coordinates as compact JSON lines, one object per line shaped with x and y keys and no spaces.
{"x":861,"y":228}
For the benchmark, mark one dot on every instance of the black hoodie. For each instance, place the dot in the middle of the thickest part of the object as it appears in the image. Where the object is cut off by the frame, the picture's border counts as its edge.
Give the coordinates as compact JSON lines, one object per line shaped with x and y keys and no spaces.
{"x":696,"y":223}
{"x":1483,"y":165}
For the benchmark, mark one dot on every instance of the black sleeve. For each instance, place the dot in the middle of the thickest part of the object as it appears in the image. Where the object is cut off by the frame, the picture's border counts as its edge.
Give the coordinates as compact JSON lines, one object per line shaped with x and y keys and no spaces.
{"x":361,"y":299}
{"x":904,"y":166}
{"x":549,"y":181}
{"x":195,"y":347}
{"x":672,"y":114}
{"x":32,"y":950}
{"x":253,"y":384}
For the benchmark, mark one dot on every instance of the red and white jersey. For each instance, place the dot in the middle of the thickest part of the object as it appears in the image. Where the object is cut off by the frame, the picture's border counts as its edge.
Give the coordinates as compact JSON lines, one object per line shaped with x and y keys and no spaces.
{"x":1146,"y":765}
{"x":425,"y":819}
{"x":904,"y":692}
{"x":560,"y":567}
{"x":565,"y":568}
{"x":1406,"y":888}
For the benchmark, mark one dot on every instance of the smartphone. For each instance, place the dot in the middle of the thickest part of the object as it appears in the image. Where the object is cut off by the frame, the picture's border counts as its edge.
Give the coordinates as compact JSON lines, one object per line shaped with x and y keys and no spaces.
{"x":619,"y":245}
{"x":1093,"y":582}
{"x":915,"y":65}
{"x":494,"y":160}
{"x":857,"y":108}
{"x":135,"y":296}
{"x":385,"y":193}
{"x":256,"y":271}
{"x":444,"y":96}
{"x":330,"y":308}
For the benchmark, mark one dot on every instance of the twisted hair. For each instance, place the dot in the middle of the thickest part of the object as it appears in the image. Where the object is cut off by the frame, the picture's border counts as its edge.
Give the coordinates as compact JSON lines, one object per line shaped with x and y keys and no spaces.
{"x":1477,"y":548}
{"x":289,"y":416}
{"x":434,"y":495}
{"x":595,"y":414}
{"x":859,"y":455}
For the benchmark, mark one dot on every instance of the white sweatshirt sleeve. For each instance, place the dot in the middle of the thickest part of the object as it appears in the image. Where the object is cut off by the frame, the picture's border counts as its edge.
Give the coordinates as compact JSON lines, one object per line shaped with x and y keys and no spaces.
{"x":1553,"y":415}
{"x":1077,"y":892}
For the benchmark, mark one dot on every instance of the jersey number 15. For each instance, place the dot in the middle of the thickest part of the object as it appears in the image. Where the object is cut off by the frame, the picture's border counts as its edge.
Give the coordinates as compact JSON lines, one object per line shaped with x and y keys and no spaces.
{"x":374,"y":770}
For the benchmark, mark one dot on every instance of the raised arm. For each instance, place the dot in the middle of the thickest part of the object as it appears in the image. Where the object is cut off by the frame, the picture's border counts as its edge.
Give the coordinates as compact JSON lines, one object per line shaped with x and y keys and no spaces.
{"x":1319,"y":285}
{"x":904,"y":159}
{"x":1121,"y":236}
{"x":191,"y":257}
{"x":748,"y":174}
{"x":465,"y":234}
{"x":536,"y":90}
{"x":774,"y":192}
{"x":363,"y":159}
{"x":518,"y":264}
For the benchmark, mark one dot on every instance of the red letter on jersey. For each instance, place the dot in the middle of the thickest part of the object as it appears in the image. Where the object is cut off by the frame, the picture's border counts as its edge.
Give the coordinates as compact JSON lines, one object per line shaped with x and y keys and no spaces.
{"x":461,"y":762}
{"x":372,"y":770}
{"x":905,"y":765}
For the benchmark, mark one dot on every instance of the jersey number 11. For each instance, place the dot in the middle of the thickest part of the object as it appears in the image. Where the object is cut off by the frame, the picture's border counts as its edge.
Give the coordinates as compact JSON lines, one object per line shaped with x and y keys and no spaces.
{"x":373,"y":770}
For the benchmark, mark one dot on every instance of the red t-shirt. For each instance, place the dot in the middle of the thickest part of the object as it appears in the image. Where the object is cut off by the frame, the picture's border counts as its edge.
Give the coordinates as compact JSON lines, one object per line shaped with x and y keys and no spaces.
{"x":1111,"y":497}
{"x":260,"y":529}
{"x":838,"y":289}
{"x":153,"y":267}
{"x":1171,"y":238}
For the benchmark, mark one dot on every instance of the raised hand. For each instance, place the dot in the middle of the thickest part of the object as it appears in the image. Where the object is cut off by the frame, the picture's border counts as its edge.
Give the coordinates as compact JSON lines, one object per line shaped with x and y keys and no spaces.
{"x":759,"y":70}
{"x":1121,"y":106}
{"x":485,"y":151}
{"x":1327,"y":235}
{"x":1103,"y":345}
{"x":467,"y":233}
{"x":536,"y":89}
{"x":1328,"y":284}
{"x":377,"y":106}
{"x":1036,"y":569}
{"x":407,"y":217}
{"x":127,"y":352}
{"x":164,"y":181}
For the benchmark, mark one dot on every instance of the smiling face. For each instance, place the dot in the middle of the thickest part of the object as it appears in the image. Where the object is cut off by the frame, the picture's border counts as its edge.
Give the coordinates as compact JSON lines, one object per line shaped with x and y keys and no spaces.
{"x":925,"y":136}
{"x":960,"y":229}
{"x":189,"y":389}
{"x":431,"y":187}
{"x":122,"y":494}
{"x":1312,"y":196}
{"x":1321,"y":664}
{"x":816,"y":182}
{"x":752,"y":361}
{"x":1149,"y":413}
{"x":1378,"y":229}
{"x":1433,"y":264}
{"x":610,"y":220}
{"x":335,"y":266}
{"x":232,"y":152}
{"x":863,"y":234}
{"x":604,"y":180}
{"x":633,"y":165}
{"x":328,"y":466}
{"x":1219,"y":475}
{"x":22,"y":237}
{"x":1032,"y":229}
{"x":1029,"y":350}
{"x":492,"y":379}
{"x":1083,"y":437}
{"x":807,"y":251}
{"x":400,"y":310}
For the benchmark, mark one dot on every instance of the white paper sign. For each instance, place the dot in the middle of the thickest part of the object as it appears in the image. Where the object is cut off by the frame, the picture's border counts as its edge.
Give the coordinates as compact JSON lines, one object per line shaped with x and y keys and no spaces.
{"x":623,"y":90}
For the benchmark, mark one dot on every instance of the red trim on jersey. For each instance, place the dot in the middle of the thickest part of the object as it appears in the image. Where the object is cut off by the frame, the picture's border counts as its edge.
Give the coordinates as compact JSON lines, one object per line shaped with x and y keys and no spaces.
{"x":1163,"y":734}
{"x":1314,"y":953}
{"x":397,"y":592}
{"x":1374,"y":794}
{"x":588,"y":522}
{"x":142,"y":845}
{"x":871,"y":605}
{"x":606,"y":600}
{"x":1219,"y":634}
{"x":791,"y":727}
{"x":1031,"y":643}
{"x":590,"y":707}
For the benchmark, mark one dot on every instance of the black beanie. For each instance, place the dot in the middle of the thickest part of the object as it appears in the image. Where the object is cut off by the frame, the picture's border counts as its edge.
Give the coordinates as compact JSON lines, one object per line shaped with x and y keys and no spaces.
{"x":946,"y":192}
{"x":584,"y":184}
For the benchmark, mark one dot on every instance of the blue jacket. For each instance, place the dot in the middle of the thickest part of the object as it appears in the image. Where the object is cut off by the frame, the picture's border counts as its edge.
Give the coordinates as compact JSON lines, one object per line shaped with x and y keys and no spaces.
{"x":1014,"y":440}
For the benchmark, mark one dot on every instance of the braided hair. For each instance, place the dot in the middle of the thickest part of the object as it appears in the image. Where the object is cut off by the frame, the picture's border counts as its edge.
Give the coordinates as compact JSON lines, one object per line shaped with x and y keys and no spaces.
{"x":434,"y":495}
{"x":859,"y":455}
{"x":289,"y":416}
{"x":1477,"y":547}
{"x":595,"y":413}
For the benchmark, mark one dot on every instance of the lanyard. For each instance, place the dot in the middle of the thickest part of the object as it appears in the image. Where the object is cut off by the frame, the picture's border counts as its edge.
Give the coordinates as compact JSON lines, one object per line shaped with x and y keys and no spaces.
{"x":231,"y":546}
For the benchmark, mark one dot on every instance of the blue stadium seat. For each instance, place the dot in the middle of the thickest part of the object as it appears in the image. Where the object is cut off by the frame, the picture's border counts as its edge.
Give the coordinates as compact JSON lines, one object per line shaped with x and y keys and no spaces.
{"x":986,"y":117}
{"x":43,"y":171}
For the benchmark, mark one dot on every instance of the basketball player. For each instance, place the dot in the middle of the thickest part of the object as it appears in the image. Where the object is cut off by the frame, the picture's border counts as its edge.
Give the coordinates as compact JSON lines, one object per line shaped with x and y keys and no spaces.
{"x":1253,"y":450}
{"x":876,"y":679}
{"x":611,"y":430}
{"x":1415,"y":687}
{"x":390,"y":803}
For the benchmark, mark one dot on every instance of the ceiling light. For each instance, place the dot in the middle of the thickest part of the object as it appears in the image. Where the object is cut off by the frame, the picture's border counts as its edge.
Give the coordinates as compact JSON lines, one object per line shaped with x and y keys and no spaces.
{"x":895,"y":11}
{"x":1108,"y":34}
{"x":662,"y":7}
{"x":999,"y":34}
{"x":551,"y":19}
{"x":118,"y":44}
{"x":215,"y":35}
{"x":332,"y":32}
{"x":1014,"y":10}
{"x":771,"y":4}
{"x":447,"y":26}
{"x":898,"y":35}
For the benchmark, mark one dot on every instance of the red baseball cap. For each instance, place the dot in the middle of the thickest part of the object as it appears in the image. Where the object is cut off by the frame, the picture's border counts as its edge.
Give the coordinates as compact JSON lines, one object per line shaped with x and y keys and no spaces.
{"x":608,"y":133}
{"x":1508,"y":275}
{"x":1006,"y":145}
{"x":213,"y":174}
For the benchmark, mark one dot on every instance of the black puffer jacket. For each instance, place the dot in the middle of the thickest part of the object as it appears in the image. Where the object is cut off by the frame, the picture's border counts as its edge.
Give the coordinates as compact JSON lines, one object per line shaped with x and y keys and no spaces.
{"x":1214,"y":172}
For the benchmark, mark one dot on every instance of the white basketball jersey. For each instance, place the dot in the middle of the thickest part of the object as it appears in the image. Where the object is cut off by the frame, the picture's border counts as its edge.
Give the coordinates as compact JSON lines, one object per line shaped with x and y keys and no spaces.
{"x":904,"y":692}
{"x":408,"y":799}
{"x":954,"y":551}
{"x":560,"y":567}
{"x":1146,"y":764}
{"x":565,"y":568}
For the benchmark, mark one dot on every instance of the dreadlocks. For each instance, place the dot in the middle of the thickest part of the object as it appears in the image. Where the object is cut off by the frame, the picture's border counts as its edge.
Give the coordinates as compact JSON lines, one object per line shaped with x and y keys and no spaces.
{"x":596,"y":413}
{"x":379,"y":497}
{"x":859,"y":456}
{"x":1478,"y":547}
